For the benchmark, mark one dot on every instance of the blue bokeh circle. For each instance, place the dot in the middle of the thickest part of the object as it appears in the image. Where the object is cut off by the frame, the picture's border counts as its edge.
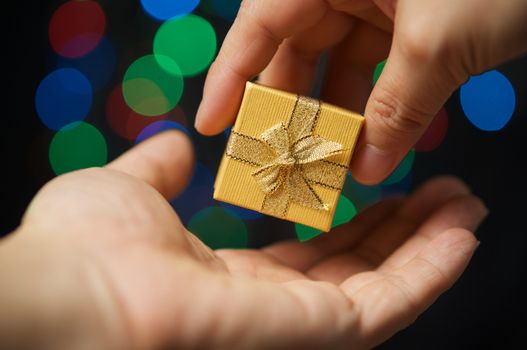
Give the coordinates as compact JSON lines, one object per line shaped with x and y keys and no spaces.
{"x":488,"y":100}
{"x":63,"y":97}
{"x":163,"y":9}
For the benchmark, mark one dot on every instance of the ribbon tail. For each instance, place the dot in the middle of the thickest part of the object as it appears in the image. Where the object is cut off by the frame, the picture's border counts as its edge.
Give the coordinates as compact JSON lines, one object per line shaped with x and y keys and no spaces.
{"x":276,"y":203}
{"x":302,"y":192}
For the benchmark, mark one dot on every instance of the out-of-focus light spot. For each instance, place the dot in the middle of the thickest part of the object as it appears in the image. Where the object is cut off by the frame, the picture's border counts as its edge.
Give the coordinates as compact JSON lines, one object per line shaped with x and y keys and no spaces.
{"x":378,"y":71}
{"x":127,"y":123}
{"x":166,"y":9}
{"x":488,"y":100}
{"x":76,"y":28}
{"x":63,"y":97}
{"x":435,"y":134}
{"x":243,"y":213}
{"x":226,"y":9}
{"x":160,"y":126}
{"x":402,"y":170}
{"x":153,"y":85}
{"x":123,"y":120}
{"x":227,"y":132}
{"x":189,"y":41}
{"x":305,"y":233}
{"x":197,"y":195}
{"x":363,"y":196}
{"x":398,"y":189}
{"x":344,"y":213}
{"x":98,"y":66}
{"x":219,"y":228}
{"x":77,"y":146}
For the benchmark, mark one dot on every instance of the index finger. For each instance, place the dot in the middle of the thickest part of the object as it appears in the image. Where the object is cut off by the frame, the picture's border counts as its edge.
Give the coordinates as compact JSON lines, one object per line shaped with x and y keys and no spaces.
{"x":258,"y":31}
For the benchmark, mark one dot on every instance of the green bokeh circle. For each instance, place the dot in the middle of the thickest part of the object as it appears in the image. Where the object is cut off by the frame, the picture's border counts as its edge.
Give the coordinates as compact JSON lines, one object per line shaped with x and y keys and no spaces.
{"x":378,"y":71}
{"x":219,"y":228}
{"x":77,"y":146}
{"x":402,"y":170}
{"x":153,"y":85}
{"x":344,"y":213}
{"x":363,"y":196}
{"x":190,"y":41}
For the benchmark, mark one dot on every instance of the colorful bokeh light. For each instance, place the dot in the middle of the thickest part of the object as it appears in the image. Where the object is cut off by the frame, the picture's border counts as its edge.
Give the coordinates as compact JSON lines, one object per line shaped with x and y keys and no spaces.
{"x":402,"y":169}
{"x":76,"y":28}
{"x":160,"y":126}
{"x":435,"y":134}
{"x":363,"y":196}
{"x":122,"y":119}
{"x":377,"y":73}
{"x":219,"y":228}
{"x":153,"y":85}
{"x":488,"y":100}
{"x":77,"y":146}
{"x":98,"y":66}
{"x":127,"y":123}
{"x":398,"y":189}
{"x":63,"y":97}
{"x":226,"y":9}
{"x":190,"y":42}
{"x":344,"y":213}
{"x":245,"y":214}
{"x":166,"y":9}
{"x":197,"y":195}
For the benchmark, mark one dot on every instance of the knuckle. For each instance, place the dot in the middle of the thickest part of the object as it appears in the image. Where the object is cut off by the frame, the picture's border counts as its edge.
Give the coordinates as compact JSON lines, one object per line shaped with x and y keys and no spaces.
{"x":417,"y":45}
{"x":420,"y":43}
{"x":395,"y":117}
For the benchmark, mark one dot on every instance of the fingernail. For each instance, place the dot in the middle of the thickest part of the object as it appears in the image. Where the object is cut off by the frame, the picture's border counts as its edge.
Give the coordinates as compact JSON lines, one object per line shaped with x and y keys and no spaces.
{"x":374,"y":164}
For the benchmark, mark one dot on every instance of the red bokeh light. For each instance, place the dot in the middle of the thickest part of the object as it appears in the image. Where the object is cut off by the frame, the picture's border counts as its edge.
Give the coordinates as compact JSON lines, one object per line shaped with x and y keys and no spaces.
{"x":76,"y":28}
{"x":435,"y":134}
{"x":127,"y":123}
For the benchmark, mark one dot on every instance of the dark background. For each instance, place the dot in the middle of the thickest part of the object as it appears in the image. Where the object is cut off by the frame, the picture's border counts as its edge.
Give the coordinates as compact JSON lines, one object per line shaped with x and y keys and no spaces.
{"x":485,"y":309}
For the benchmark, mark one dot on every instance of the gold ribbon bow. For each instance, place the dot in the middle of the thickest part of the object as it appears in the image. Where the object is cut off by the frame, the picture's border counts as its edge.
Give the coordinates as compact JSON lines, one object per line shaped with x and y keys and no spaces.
{"x":290,"y":159}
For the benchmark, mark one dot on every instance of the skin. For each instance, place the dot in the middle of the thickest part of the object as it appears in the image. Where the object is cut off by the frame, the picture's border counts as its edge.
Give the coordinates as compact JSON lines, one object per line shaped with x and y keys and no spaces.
{"x":432,"y":46}
{"x":101,"y":261}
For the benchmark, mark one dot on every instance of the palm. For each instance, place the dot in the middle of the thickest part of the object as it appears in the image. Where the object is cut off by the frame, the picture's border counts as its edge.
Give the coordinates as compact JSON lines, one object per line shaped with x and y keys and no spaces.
{"x":355,"y":286}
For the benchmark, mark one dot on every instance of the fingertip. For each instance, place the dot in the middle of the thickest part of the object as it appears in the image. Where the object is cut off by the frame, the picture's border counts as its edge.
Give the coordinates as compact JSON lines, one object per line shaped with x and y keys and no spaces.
{"x":222,"y":97}
{"x":371,"y":165}
{"x":165,"y":161}
{"x":453,"y":249}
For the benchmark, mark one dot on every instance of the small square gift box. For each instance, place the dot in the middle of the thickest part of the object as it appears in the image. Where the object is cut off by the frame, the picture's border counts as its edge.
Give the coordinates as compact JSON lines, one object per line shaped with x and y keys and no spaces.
{"x":287,"y":156}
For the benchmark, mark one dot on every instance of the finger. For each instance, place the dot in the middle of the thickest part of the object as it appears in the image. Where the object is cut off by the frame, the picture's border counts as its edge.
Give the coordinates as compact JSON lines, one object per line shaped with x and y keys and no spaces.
{"x":387,"y":237}
{"x":367,"y":11}
{"x":348,"y":78}
{"x":164,"y":161}
{"x":410,"y":91}
{"x":248,"y":48}
{"x":294,"y":66}
{"x":302,"y":256}
{"x":391,"y":302}
{"x":465,"y":212}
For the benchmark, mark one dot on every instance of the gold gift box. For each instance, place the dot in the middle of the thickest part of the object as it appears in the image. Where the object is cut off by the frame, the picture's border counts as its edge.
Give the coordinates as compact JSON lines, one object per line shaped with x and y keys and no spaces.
{"x":256,"y":176}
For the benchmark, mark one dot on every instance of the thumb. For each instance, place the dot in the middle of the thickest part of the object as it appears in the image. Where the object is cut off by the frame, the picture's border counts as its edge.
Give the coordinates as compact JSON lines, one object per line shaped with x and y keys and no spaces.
{"x":410,"y":91}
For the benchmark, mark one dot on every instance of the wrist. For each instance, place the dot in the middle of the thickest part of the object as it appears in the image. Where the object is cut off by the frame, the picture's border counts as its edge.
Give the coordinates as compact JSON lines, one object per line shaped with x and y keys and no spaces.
{"x":51,"y":296}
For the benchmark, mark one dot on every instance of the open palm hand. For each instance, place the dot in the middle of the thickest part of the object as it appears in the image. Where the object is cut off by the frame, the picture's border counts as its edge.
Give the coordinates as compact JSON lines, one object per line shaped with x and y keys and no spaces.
{"x":146,"y":282}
